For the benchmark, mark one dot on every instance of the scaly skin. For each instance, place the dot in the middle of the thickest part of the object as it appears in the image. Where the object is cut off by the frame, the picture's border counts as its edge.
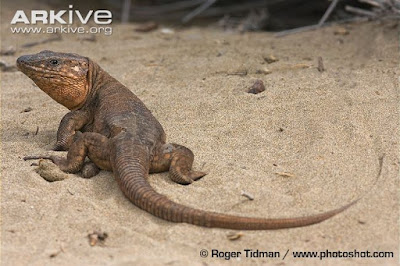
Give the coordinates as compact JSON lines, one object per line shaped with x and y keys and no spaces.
{"x":111,"y":126}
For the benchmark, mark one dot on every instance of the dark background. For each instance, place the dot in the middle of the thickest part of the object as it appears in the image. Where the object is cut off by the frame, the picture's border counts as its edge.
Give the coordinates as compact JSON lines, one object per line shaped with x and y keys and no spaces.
{"x":271,"y":15}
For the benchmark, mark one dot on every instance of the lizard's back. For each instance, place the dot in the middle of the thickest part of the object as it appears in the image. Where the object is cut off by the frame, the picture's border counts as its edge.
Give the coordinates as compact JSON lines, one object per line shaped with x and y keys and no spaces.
{"x":116,"y":108}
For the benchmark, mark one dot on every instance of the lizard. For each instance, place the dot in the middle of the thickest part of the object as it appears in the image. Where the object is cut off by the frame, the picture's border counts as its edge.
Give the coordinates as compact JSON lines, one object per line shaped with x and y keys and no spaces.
{"x":111,"y":126}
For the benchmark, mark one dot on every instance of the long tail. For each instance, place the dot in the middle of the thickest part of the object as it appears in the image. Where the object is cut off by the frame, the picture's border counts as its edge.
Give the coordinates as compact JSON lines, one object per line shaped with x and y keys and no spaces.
{"x":130,"y":165}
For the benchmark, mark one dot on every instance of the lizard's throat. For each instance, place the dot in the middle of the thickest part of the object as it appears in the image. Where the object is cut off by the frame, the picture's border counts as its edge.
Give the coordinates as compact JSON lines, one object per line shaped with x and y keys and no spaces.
{"x":72,"y":96}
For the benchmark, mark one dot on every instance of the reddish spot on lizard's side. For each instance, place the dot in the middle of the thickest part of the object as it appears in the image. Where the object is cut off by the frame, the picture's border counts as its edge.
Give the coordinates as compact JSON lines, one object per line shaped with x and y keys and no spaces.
{"x":111,"y":126}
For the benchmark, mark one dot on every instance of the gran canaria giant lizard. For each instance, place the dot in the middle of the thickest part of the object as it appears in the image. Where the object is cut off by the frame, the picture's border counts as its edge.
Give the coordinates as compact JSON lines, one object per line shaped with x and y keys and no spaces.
{"x":111,"y":126}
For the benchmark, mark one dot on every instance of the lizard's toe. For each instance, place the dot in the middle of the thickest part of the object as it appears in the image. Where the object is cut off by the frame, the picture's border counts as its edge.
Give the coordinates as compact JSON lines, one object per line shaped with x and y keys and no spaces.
{"x":196,"y":175}
{"x":184,"y":177}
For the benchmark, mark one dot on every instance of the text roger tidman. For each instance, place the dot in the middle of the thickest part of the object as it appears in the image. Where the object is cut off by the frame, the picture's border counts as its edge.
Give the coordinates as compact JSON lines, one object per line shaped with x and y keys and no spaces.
{"x":247,"y":253}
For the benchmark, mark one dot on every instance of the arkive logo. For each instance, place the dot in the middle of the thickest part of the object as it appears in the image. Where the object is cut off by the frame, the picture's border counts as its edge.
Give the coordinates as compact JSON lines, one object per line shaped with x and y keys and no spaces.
{"x":101,"y":17}
{"x":69,"y":21}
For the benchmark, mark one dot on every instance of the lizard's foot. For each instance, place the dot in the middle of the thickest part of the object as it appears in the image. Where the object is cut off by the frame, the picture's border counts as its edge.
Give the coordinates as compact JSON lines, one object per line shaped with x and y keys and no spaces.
{"x":49,"y":171}
{"x":61,"y":162}
{"x":90,"y":144}
{"x":90,"y":169}
{"x":183,"y":177}
{"x":180,"y":170}
{"x":178,"y":159}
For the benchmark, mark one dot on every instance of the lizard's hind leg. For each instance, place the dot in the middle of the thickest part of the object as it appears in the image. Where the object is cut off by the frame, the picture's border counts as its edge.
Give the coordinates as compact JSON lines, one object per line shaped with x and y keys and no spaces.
{"x":178,"y":160}
{"x":93,"y":145}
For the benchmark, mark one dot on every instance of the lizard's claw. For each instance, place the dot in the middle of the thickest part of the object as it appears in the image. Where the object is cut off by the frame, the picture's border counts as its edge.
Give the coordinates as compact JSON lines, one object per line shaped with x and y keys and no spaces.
{"x":36,"y":157}
{"x":55,"y":159}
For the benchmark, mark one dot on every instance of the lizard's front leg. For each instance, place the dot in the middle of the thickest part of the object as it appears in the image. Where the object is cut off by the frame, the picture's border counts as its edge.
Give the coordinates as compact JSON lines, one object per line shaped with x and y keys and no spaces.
{"x":71,"y":122}
{"x":178,"y":160}
{"x":93,"y":145}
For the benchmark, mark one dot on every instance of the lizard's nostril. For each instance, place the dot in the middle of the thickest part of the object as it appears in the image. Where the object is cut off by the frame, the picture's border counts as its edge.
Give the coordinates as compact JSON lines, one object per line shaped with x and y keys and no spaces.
{"x":22,"y":60}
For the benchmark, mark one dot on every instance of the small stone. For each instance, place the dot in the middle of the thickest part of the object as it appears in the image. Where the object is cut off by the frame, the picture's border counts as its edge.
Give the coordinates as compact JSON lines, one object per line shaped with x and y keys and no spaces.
{"x":26,"y":110}
{"x":234,"y":235}
{"x":320,"y":67}
{"x":270,"y":59}
{"x":341,"y":31}
{"x":167,"y":31}
{"x":264,"y":71}
{"x":97,"y":237}
{"x":257,"y":87}
{"x":51,"y":172}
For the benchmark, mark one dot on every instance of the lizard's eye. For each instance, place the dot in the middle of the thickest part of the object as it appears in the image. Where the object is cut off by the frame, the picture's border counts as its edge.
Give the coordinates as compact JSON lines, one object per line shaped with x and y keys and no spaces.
{"x":54,"y":62}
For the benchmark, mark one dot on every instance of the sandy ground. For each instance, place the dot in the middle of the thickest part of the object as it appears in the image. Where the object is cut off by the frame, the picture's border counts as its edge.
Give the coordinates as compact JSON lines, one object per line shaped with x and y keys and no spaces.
{"x":326,"y":129}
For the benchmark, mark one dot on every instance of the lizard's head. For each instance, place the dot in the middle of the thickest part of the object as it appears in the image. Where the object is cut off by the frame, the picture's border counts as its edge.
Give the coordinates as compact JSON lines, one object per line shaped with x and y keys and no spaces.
{"x":64,"y":77}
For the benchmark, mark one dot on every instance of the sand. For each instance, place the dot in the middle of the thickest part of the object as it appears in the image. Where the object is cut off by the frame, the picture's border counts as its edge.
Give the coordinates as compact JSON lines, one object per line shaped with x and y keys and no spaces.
{"x":326,"y":130}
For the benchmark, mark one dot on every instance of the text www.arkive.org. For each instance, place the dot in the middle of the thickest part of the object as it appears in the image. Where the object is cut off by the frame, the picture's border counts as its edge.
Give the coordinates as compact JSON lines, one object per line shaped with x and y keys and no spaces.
{"x":63,"y":30}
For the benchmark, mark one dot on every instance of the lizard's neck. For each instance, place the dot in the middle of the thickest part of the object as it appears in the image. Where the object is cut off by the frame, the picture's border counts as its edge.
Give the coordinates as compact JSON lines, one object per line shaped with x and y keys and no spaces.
{"x":97,"y":80}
